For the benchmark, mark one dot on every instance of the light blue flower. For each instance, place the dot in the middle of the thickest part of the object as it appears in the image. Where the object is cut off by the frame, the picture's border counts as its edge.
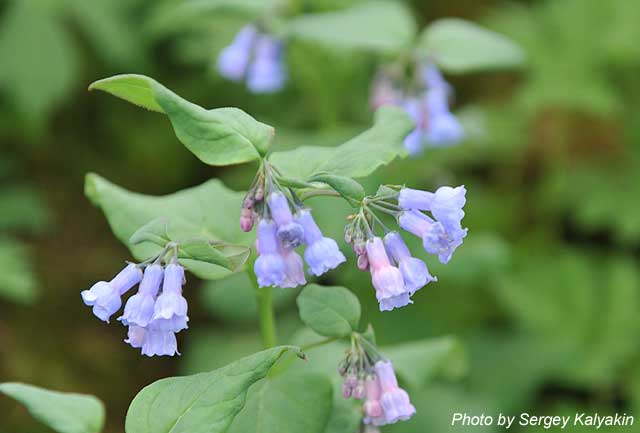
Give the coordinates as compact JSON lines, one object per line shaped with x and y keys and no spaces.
{"x":170,"y":310}
{"x":139,"y":308}
{"x":159,"y":342}
{"x":267,"y":73}
{"x":234,"y":59}
{"x":105,"y":297}
{"x":445,"y":204}
{"x":414,"y":271}
{"x":290,"y":233}
{"x":321,"y":254}
{"x":387,"y":279}
{"x":269,"y":266}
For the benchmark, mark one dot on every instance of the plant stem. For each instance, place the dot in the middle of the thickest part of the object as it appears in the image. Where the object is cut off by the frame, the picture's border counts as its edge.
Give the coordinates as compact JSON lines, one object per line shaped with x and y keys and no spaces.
{"x":265,"y":311}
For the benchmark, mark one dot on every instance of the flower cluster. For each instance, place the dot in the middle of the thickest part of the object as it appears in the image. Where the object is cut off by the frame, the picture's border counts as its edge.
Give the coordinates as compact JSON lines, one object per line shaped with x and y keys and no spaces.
{"x":256,"y":57}
{"x":284,"y":225}
{"x":153,"y":316}
{"x":395,"y":274}
{"x":427,"y":103}
{"x":371,"y":378}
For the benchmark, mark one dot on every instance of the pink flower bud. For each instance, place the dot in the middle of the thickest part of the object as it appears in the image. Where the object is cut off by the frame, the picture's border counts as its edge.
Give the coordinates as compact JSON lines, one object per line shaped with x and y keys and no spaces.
{"x":363,"y":262}
{"x":346,"y":390}
{"x":259,"y":194}
{"x":359,"y":391}
{"x":246,"y":220}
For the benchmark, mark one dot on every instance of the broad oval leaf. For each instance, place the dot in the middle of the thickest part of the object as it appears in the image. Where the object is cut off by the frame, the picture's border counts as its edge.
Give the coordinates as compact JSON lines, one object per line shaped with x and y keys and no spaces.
{"x":202,"y":403}
{"x":64,"y":412}
{"x":209,"y":212}
{"x":220,"y":136}
{"x":381,"y":26}
{"x":331,"y":311}
{"x":356,"y":158}
{"x":460,"y":46}
{"x":287,"y":403}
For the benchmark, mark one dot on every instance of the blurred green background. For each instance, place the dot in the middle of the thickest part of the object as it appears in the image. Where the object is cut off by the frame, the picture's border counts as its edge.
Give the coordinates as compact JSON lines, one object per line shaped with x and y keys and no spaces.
{"x":544,"y":293}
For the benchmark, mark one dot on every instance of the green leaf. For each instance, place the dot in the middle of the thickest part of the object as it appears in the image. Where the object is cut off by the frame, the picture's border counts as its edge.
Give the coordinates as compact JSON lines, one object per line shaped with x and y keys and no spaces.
{"x":42,"y":65}
{"x":345,"y":186}
{"x":202,"y":403}
{"x":356,"y":158}
{"x":329,"y":310}
{"x":287,"y":403}
{"x":417,"y":362}
{"x":17,"y":278}
{"x":207,"y":212}
{"x":380,"y":26}
{"x":155,"y":231}
{"x":221,"y":136}
{"x":460,"y":46}
{"x":62,"y":411}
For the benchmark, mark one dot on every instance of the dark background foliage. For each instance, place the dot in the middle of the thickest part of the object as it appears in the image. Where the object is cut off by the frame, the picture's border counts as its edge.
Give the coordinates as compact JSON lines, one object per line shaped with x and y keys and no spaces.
{"x":544,"y":293}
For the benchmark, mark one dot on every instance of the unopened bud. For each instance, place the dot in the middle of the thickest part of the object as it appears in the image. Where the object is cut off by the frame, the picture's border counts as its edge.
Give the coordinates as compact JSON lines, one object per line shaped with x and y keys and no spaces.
{"x":363,"y":262}
{"x":246,"y":220}
{"x":347,"y":234}
{"x":259,"y":194}
{"x":346,"y":390}
{"x":248,"y":202}
{"x":360,"y":248}
{"x":342,"y":368}
{"x":351,"y":380}
{"x":359,"y":391}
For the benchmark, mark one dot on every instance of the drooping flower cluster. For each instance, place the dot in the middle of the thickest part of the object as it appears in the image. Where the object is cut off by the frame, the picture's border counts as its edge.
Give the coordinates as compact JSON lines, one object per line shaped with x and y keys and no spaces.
{"x":370,"y":377}
{"x":153,"y":315}
{"x":284,"y":225}
{"x":256,"y":57}
{"x":427,"y":103}
{"x":395,"y":274}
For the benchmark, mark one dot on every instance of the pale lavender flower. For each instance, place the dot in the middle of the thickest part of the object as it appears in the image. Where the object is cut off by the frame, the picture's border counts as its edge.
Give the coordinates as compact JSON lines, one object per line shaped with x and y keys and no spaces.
{"x":414,"y":271}
{"x":373,"y":413}
{"x":140,"y":307}
{"x":435,"y":238}
{"x":442,"y":127}
{"x":269,"y":266}
{"x":159,"y":342}
{"x":293,"y":268}
{"x":395,"y":400}
{"x":170,"y":312}
{"x":136,"y":336}
{"x":289,"y":232}
{"x":267,"y":74}
{"x":445,"y":204}
{"x":321,"y":254}
{"x":234,"y":59}
{"x":105,"y":297}
{"x":387,"y":279}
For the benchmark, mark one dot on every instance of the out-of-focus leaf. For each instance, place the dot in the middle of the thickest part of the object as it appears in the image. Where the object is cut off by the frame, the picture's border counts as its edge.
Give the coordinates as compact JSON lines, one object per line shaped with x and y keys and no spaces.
{"x":356,"y":158}
{"x":233,"y":299}
{"x":419,"y":361}
{"x":21,"y":208}
{"x":555,"y":296}
{"x":62,"y":411}
{"x":202,"y":403}
{"x":209,"y":212}
{"x":220,"y":136}
{"x":383,"y":26}
{"x":17,"y":278}
{"x":287,"y":403}
{"x":460,"y":46}
{"x":331,"y":311}
{"x":39,"y":59}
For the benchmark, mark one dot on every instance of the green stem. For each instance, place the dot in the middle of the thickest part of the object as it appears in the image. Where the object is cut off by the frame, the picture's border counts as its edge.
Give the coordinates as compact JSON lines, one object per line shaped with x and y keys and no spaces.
{"x":265,"y":312}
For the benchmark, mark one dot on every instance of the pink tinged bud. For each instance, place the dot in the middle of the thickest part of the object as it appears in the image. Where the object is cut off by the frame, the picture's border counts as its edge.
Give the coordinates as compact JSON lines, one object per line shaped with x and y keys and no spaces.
{"x":259,"y":194}
{"x":359,"y":391}
{"x":363,"y":262}
{"x":395,"y":401}
{"x":346,"y":390}
{"x":372,"y":407}
{"x":246,"y":220}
